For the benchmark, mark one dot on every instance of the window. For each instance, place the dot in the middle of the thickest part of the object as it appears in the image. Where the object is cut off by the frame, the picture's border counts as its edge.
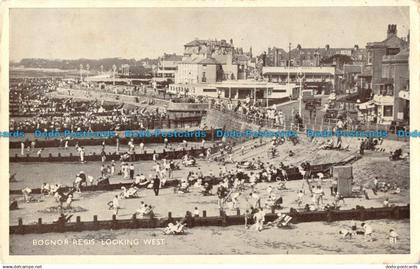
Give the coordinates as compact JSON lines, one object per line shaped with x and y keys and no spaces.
{"x":390,"y":90}
{"x":388,"y":111}
{"x":279,"y":90}
{"x":370,"y":57}
{"x":209,"y":90}
{"x":204,"y":79}
{"x":392,"y":51}
{"x":382,"y":90}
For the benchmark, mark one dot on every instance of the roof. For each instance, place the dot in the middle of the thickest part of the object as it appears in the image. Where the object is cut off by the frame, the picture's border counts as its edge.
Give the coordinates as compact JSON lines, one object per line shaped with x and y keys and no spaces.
{"x":208,"y":61}
{"x":194,"y":43}
{"x":392,"y":41}
{"x":241,"y":57}
{"x":221,"y":59}
{"x":198,"y":42}
{"x":172,"y":57}
{"x":192,"y":59}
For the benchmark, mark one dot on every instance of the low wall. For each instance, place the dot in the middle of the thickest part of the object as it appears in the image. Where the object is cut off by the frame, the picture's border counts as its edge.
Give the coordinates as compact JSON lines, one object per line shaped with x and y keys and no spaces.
{"x":362,"y":214}
{"x":187,"y":107}
{"x":170,"y":155}
{"x":51,"y":143}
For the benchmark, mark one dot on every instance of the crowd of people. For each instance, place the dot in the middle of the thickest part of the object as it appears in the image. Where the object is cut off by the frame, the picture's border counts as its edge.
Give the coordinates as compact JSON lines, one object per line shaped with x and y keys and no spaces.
{"x":119,"y":119}
{"x":233,"y":188}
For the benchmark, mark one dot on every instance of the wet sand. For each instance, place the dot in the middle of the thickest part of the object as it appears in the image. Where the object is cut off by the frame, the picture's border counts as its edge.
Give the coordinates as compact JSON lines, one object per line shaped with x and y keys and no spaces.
{"x":304,"y":238}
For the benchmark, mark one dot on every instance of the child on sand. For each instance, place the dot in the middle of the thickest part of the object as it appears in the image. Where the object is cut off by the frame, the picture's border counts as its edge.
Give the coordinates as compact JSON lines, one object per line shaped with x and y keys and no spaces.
{"x":345,"y":234}
{"x":393,"y":236}
{"x":368,"y":231}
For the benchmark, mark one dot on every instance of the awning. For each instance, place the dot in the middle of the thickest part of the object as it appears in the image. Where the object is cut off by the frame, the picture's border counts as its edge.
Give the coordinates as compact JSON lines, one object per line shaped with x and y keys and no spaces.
{"x":383,"y":100}
{"x":367,"y":105}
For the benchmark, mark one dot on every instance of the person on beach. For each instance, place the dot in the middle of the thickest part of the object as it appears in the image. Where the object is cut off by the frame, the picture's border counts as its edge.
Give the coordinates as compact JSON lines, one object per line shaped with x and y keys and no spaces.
{"x":82,"y":155}
{"x":259,"y":218}
{"x":368,"y":231}
{"x":131,"y":171}
{"x":393,"y":236}
{"x":156,"y":185}
{"x":114,"y":205}
{"x":345,"y":234}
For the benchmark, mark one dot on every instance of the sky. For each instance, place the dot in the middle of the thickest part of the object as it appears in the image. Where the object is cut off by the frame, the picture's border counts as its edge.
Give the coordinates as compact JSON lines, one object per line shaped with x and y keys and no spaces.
{"x":149,"y":32}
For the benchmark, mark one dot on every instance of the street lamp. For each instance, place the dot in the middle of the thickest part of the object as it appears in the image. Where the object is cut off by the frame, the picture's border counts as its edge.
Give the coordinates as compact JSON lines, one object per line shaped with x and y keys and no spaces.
{"x":81,"y":72}
{"x":114,"y":68}
{"x":300,"y":78}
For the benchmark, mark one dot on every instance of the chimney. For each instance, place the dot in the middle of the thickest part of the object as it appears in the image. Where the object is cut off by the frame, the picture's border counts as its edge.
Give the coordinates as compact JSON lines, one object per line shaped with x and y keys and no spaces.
{"x":231,"y":41}
{"x":392,"y":30}
{"x":327,"y":47}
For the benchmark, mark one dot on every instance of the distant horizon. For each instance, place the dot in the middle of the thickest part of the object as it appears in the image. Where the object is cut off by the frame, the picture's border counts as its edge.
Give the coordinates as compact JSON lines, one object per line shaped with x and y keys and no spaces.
{"x":138,"y":33}
{"x":78,"y":59}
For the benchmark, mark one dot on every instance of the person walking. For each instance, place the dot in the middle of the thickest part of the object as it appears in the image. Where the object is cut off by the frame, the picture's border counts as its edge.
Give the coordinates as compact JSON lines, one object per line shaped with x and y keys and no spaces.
{"x":156,"y":185}
{"x":132,"y":171}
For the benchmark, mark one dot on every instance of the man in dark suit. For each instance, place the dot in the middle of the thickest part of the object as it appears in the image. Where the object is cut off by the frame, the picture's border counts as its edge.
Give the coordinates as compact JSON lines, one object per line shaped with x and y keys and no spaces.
{"x":156,"y":185}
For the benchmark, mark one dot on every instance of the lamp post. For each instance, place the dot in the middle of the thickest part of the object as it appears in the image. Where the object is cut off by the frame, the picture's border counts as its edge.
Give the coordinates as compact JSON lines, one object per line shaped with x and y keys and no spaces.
{"x":300,"y":78}
{"x":114,"y":68}
{"x":81,"y":72}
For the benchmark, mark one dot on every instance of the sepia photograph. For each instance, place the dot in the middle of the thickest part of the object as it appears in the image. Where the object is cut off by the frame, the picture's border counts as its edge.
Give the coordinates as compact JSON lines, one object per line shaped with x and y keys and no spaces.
{"x":177,"y":130}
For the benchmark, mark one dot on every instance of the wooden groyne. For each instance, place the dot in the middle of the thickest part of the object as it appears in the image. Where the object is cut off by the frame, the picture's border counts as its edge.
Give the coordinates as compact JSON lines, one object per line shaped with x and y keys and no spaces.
{"x":361,"y":214}
{"x":292,"y":173}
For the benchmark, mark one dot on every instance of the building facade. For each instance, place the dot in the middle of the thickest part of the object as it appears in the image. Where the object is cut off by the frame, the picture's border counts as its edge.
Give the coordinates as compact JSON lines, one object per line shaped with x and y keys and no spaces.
{"x":392,"y":98}
{"x":168,"y":64}
{"x":388,"y":65}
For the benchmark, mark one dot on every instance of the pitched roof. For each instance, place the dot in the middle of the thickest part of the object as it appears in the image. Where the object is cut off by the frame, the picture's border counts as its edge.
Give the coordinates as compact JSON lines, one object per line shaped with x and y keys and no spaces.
{"x":208,"y":61}
{"x":392,"y":41}
{"x":194,"y":43}
{"x":221,"y":59}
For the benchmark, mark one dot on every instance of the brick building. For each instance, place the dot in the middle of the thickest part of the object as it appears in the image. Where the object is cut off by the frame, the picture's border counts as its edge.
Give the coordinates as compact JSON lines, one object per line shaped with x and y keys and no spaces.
{"x":387,"y":69}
